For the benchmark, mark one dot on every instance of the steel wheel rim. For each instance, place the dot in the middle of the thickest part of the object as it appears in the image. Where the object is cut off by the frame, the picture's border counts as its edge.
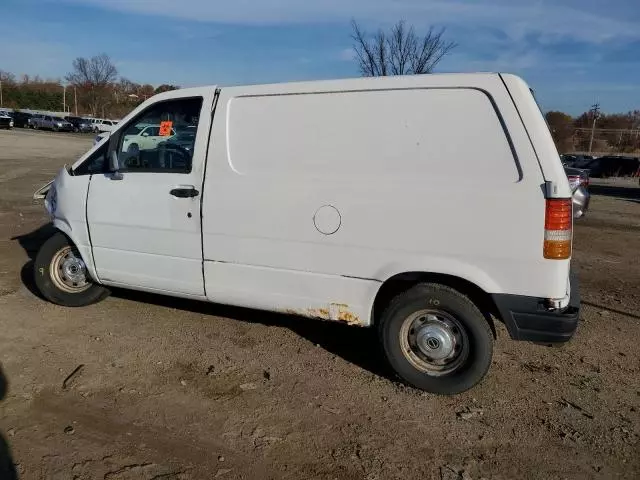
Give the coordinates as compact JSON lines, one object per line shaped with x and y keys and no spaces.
{"x":434,"y":342}
{"x":68,"y":272}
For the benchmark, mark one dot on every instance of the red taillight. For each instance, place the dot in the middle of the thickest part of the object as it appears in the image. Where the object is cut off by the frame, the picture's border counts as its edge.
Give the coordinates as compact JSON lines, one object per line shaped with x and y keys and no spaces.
{"x":558,"y":224}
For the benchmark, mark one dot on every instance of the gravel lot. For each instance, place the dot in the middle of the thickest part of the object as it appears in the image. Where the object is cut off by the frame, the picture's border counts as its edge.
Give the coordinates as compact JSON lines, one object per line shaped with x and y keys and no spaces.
{"x":172,"y":389}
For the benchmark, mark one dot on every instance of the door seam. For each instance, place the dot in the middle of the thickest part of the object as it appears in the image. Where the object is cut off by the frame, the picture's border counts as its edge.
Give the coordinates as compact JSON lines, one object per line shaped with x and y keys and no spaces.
{"x":216,"y":96}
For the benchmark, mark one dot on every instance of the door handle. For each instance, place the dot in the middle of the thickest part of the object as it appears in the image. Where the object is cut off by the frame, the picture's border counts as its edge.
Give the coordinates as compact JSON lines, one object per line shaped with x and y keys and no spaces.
{"x":184,"y":192}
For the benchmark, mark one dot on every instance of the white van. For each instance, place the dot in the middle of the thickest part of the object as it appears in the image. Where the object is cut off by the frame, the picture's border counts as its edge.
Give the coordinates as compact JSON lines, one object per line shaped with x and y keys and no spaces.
{"x":425,"y":206}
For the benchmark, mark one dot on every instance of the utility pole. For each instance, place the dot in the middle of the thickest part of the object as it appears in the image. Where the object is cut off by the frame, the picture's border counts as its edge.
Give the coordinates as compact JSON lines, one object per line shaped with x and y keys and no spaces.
{"x":75,"y":99}
{"x":0,"y":92}
{"x":595,"y":111}
{"x":64,"y":98}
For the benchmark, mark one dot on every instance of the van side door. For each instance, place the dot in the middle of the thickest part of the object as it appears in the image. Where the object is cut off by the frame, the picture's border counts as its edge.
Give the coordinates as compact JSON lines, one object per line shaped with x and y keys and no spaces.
{"x":145,"y":219}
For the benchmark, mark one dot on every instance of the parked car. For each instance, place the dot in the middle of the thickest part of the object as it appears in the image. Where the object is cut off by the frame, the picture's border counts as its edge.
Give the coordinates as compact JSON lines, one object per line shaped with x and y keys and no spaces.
{"x":38,"y":121}
{"x":577,"y":177}
{"x":579,"y":183}
{"x":21,"y":119}
{"x":80,"y":124}
{"x":575,"y":161}
{"x":369,"y":226}
{"x":183,"y":138}
{"x":613,"y":166}
{"x":582,"y":161}
{"x":567,"y":160}
{"x":104,"y":125}
{"x":6,"y":120}
{"x":47,"y":122}
{"x":145,"y":138}
{"x":33,"y":121}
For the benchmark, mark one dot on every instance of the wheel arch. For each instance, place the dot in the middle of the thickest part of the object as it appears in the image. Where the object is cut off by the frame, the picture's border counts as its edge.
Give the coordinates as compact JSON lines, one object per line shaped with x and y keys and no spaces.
{"x":84,"y":250}
{"x":401,"y":282}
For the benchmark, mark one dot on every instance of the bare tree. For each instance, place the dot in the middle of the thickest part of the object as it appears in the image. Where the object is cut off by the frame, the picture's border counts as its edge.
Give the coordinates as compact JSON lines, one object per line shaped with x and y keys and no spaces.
{"x":7,"y":77}
{"x":94,"y":76}
{"x":127,"y":87}
{"x":400,"y":51}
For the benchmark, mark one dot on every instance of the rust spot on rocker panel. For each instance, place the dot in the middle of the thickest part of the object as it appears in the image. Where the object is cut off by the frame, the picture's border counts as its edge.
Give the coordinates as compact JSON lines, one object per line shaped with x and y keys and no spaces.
{"x":349,"y":318}
{"x":337,"y":312}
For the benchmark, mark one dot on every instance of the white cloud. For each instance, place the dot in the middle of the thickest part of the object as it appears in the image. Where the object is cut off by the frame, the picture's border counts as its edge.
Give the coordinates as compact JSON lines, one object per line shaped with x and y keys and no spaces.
{"x":516,"y":18}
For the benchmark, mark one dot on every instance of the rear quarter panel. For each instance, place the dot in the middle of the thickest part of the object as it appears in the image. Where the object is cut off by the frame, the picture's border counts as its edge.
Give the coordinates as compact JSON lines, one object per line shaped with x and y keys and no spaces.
{"x":486,"y":228}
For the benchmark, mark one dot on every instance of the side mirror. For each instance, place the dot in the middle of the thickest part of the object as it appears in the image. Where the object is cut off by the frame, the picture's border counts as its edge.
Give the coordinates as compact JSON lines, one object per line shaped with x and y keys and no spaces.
{"x":114,"y":166}
{"x":145,"y":134}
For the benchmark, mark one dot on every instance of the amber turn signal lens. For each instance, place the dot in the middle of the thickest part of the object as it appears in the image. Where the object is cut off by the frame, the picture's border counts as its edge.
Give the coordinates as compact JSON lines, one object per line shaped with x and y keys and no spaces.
{"x":558,"y":225}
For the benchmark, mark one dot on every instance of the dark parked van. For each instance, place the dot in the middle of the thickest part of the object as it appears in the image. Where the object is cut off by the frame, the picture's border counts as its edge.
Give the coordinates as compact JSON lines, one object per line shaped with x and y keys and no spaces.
{"x":21,"y":119}
{"x":613,"y":166}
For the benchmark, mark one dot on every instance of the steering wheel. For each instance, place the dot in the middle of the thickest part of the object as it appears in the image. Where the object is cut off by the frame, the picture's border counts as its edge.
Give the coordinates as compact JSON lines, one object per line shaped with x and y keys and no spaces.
{"x":174,"y":146}
{"x":170,"y":148}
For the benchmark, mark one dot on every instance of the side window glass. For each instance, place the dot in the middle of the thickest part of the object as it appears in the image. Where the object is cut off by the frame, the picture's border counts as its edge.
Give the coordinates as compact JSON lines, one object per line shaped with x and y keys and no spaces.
{"x":162,"y":138}
{"x":96,"y":163}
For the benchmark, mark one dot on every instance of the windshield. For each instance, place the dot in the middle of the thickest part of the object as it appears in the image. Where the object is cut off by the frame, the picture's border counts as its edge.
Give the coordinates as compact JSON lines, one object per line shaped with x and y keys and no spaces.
{"x":134,"y":130}
{"x":58,"y":119}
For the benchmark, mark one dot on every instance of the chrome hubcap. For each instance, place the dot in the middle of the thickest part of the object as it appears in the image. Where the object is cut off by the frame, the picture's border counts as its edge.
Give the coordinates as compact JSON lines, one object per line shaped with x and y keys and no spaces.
{"x":73,"y":269}
{"x":68,"y":271}
{"x":434,"y":342}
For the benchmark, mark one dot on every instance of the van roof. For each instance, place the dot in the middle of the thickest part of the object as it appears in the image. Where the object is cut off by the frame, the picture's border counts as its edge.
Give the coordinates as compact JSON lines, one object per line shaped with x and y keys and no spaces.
{"x":396,"y":81}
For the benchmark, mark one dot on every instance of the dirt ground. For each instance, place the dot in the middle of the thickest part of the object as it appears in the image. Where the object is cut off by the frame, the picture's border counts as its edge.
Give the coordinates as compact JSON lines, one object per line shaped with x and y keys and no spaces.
{"x":172,"y":389}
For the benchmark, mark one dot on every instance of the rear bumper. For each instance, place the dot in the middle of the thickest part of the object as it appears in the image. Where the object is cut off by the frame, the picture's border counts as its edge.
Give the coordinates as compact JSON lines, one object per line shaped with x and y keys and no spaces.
{"x":528,"y":319}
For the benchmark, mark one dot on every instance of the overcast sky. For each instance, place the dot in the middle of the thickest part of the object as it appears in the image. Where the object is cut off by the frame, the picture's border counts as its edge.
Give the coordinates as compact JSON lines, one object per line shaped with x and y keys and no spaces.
{"x":572,"y":52}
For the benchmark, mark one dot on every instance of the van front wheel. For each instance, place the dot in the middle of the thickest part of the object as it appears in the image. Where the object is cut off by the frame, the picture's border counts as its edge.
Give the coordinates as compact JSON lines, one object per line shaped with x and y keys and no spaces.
{"x":62,"y":277}
{"x":436,"y":339}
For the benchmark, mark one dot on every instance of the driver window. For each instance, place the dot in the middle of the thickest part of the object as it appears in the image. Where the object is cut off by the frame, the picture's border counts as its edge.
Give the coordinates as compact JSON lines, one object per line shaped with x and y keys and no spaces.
{"x":162,"y":138}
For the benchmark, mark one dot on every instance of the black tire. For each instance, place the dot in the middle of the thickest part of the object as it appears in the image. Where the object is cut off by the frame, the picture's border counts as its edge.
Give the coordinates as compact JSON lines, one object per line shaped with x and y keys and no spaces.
{"x":50,"y":288}
{"x":458,"y":314}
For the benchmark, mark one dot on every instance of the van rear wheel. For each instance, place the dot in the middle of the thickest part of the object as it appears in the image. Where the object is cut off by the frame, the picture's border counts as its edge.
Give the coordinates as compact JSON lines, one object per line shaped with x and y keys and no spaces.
{"x":62,"y":277}
{"x":436,"y":339}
